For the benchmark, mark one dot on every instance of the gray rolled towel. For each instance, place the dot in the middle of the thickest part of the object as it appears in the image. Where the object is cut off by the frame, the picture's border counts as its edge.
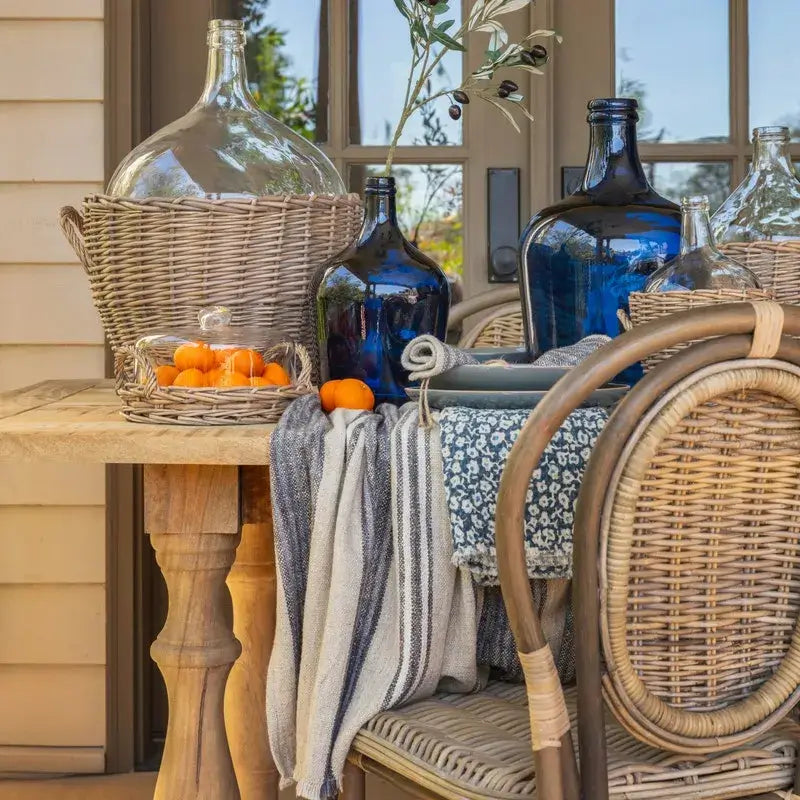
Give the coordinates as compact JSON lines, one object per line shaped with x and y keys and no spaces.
{"x":426,"y":357}
{"x":573,"y":354}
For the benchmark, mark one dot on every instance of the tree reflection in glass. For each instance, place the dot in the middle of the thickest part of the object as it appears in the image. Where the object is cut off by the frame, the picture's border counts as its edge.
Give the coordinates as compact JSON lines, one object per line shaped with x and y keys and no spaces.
{"x":287,"y":61}
{"x":429,"y":208}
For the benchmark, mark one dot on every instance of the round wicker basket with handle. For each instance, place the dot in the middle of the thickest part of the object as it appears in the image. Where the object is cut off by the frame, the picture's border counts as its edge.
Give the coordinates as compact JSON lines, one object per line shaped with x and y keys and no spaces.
{"x":143,"y":400}
{"x":153,"y":263}
{"x":647,"y":306}
{"x":776,"y":264}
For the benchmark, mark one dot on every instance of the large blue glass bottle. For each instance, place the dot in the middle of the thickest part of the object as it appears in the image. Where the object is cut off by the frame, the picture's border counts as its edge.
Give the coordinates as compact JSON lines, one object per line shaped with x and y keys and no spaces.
{"x":375,"y":298}
{"x":582,"y":257}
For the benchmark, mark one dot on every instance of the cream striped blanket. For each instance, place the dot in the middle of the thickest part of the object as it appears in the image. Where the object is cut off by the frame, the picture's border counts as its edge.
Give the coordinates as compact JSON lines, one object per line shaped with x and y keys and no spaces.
{"x":371,"y":612}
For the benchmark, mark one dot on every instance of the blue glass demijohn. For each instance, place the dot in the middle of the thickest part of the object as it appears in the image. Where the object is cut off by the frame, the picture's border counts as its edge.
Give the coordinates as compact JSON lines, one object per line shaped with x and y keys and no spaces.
{"x":375,"y":298}
{"x":582,"y":257}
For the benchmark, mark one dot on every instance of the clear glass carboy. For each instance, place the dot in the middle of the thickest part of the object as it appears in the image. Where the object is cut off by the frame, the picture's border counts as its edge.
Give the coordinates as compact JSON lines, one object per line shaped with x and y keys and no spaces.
{"x":225,"y":146}
{"x":699,"y":265}
{"x":766,"y":204}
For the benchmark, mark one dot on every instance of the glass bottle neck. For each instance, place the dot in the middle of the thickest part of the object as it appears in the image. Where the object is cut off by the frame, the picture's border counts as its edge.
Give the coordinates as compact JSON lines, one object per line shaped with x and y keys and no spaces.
{"x":772,"y":154}
{"x":379,"y":209}
{"x":226,"y":74}
{"x":614,"y":157}
{"x":695,"y":229}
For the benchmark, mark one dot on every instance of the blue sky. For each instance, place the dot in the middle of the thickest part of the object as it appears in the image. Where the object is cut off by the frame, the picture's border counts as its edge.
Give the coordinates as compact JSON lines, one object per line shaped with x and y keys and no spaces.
{"x":679,"y":50}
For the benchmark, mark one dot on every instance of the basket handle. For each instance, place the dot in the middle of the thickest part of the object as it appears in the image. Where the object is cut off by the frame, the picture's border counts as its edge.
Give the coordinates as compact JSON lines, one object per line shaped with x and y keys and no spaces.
{"x":126,"y":360}
{"x":306,"y":367}
{"x":71,"y":222}
{"x":624,"y":320}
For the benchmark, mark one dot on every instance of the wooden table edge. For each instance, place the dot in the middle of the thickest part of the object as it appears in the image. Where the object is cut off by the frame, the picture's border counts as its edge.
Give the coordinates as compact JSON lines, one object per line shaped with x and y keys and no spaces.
{"x":79,"y":421}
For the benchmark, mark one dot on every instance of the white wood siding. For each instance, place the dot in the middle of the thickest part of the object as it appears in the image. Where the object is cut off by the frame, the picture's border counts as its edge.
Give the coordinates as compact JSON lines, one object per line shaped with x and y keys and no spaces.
{"x":52,"y":517}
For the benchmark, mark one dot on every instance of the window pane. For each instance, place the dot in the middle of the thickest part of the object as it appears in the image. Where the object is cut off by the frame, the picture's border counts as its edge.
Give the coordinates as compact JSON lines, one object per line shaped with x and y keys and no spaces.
{"x":672,"y":55}
{"x":676,"y":180}
{"x":429,"y":208}
{"x":380,"y":58}
{"x":774,"y":63}
{"x":287,"y":41}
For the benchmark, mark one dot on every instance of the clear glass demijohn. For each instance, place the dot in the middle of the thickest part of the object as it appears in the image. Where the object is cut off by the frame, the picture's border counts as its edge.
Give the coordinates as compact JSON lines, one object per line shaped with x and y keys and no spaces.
{"x":699,"y":265}
{"x":766,"y":204}
{"x":225,"y":146}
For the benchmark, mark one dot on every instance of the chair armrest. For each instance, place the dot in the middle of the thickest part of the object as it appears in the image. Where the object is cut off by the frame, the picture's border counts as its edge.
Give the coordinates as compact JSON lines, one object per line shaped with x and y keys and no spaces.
{"x":494,"y":297}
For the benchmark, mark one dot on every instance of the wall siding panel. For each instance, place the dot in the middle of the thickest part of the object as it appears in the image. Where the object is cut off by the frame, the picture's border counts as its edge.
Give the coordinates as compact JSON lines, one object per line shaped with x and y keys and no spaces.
{"x":52,"y":516}
{"x":22,"y":365}
{"x":51,"y":305}
{"x":30,"y":696}
{"x":51,"y":59}
{"x":40,"y":543}
{"x":29,"y":220}
{"x":52,"y":624}
{"x":51,"y":141}
{"x":42,"y":484}
{"x":51,"y":9}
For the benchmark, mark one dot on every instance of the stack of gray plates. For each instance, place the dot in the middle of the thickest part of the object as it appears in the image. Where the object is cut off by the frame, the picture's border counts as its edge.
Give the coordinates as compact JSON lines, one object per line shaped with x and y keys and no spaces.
{"x":515,"y":384}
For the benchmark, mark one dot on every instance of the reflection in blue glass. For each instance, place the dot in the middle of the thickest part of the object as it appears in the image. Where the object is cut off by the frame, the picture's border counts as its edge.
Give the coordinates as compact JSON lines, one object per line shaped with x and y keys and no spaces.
{"x":377,"y":297}
{"x":582,"y":257}
{"x":583,"y":264}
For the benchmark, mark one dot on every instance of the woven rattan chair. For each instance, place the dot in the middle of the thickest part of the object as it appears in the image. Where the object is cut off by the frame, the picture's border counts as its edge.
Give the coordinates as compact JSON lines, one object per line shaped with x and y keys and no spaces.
{"x":500,"y":326}
{"x":687,"y":582}
{"x":687,"y":556}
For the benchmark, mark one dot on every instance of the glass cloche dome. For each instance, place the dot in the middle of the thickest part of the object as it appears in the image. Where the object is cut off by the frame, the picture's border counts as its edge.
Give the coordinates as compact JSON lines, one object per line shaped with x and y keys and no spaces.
{"x":225,"y":146}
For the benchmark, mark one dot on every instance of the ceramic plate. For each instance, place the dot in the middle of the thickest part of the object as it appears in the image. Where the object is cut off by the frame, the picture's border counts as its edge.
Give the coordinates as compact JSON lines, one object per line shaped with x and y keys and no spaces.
{"x":514,"y":399}
{"x":517,"y":375}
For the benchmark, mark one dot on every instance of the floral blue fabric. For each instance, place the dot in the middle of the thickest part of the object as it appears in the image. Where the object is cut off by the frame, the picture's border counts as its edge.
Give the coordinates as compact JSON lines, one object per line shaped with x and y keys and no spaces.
{"x":475,"y":446}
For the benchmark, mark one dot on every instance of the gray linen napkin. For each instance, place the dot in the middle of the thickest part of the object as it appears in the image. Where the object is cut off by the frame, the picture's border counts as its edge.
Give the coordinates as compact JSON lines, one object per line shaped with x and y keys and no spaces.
{"x":426,"y":357}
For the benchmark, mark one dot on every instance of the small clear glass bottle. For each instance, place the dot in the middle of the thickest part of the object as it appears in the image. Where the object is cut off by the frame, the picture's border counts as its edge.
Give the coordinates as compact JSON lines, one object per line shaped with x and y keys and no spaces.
{"x":225,"y":146}
{"x":766,"y":204}
{"x":700,"y":265}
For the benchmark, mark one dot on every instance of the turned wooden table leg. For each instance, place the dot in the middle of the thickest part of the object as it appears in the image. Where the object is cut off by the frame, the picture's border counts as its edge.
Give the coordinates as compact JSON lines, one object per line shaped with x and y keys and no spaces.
{"x":192,"y":515}
{"x":252,"y":586}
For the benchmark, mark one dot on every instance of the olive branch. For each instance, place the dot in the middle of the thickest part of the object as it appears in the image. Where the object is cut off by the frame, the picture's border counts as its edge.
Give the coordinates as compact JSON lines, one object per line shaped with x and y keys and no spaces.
{"x":432,"y":37}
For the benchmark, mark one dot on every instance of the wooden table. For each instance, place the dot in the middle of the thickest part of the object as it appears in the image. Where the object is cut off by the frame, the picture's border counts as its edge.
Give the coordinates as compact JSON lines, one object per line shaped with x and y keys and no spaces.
{"x":207,"y":511}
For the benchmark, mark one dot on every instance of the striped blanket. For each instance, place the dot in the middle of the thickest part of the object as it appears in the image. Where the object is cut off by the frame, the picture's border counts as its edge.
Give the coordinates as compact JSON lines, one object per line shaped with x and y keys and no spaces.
{"x":367,"y":620}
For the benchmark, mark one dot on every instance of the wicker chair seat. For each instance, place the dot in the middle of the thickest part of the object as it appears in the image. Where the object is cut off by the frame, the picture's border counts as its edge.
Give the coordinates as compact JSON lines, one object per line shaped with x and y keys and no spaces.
{"x":477,"y":746}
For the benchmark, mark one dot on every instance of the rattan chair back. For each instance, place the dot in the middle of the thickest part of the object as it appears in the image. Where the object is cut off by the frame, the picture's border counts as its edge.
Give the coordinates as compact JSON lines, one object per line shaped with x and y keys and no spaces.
{"x":686,"y":580}
{"x":500,"y":327}
{"x":700,"y":560}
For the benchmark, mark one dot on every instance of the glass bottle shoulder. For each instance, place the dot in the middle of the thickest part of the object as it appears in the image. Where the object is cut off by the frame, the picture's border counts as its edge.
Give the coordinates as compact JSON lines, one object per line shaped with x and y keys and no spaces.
{"x":218,"y":152}
{"x":765,"y":206}
{"x":646,"y":216}
{"x":387,"y":259}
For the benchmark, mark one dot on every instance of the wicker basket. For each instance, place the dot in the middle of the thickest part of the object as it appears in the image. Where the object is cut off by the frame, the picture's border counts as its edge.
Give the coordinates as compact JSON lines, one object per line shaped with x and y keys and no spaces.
{"x":647,"y":306}
{"x":143,"y":400}
{"x":777,"y":265}
{"x":153,"y":263}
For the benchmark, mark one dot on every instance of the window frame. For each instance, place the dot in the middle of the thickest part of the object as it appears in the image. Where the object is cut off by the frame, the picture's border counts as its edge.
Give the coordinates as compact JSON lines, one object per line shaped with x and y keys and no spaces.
{"x":737,"y":150}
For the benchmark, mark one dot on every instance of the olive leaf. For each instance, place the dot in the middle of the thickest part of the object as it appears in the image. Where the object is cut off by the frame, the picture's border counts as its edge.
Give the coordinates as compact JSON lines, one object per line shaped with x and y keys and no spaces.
{"x":507,"y":6}
{"x":402,"y":8}
{"x":440,"y":36}
{"x":497,"y":103}
{"x":431,"y":40}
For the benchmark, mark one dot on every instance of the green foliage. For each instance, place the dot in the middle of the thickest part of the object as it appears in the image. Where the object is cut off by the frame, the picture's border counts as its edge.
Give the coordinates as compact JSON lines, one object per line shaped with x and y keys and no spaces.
{"x":276,"y":90}
{"x":288,"y":98}
{"x":432,"y":37}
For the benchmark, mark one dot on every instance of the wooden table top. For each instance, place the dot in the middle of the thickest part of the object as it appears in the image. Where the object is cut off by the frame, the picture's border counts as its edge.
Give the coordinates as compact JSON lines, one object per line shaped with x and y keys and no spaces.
{"x":80,"y":421}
